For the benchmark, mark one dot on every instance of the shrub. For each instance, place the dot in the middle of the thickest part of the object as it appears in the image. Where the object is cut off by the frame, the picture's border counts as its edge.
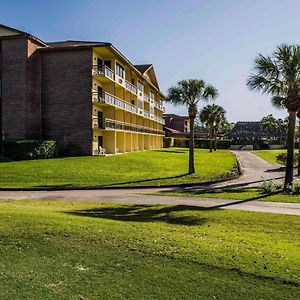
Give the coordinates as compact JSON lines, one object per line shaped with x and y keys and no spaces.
{"x":181,"y":142}
{"x":168,"y":142}
{"x":201,"y":143}
{"x":282,"y":157}
{"x":30,"y":149}
{"x":269,"y":187}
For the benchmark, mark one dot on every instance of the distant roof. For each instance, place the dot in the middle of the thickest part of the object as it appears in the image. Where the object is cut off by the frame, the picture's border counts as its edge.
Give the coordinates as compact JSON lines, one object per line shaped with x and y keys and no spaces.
{"x":143,"y":68}
{"x":175,"y":116}
{"x":247,"y":128}
{"x":71,"y":43}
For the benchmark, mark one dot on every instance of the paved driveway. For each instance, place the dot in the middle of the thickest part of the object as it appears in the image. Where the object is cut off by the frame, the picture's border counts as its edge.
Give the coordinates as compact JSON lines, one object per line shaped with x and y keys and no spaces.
{"x":253,"y":168}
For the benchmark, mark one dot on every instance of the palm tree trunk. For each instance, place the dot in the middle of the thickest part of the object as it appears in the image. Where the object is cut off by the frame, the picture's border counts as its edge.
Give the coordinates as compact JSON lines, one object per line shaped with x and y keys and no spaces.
{"x":191,"y":145}
{"x":215,"y":140}
{"x":289,"y":172}
{"x":210,"y":138}
{"x":298,"y":144}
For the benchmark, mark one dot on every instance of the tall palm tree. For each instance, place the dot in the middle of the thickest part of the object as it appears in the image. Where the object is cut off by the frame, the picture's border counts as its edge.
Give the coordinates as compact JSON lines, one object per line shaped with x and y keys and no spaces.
{"x":189,"y":93}
{"x":279,"y":76}
{"x":212,"y":115}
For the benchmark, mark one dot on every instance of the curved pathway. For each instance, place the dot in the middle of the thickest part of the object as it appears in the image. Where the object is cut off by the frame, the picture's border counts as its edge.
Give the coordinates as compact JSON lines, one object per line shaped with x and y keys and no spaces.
{"x":253,"y":167}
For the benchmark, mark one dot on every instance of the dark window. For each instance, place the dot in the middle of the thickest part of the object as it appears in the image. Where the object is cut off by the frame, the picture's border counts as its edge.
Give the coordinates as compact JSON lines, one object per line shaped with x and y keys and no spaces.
{"x":120,"y":70}
{"x":132,"y":102}
{"x":99,"y":62}
{"x":100,"y":141}
{"x":107,"y":63}
{"x":100,"y":119}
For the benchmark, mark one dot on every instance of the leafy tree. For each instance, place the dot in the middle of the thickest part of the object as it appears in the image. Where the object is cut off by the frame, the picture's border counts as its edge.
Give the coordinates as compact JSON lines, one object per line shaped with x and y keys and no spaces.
{"x":189,"y":93}
{"x":279,"y":76}
{"x":213,"y":116}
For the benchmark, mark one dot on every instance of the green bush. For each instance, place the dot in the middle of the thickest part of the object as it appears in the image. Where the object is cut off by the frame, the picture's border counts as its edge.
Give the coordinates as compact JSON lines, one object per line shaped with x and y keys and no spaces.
{"x":202,"y":143}
{"x":181,"y":142}
{"x":269,"y":187}
{"x":168,"y":142}
{"x":282,"y":157}
{"x":30,"y":149}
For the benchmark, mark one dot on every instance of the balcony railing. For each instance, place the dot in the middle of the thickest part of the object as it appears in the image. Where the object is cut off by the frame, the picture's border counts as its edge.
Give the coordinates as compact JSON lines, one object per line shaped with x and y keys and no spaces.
{"x":104,"y":71}
{"x":146,"y":97}
{"x":112,"y":100}
{"x":118,"y":125}
{"x":132,"y":88}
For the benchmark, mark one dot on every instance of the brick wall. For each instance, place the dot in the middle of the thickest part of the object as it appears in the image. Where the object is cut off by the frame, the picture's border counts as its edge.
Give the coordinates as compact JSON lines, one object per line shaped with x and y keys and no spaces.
{"x":21,"y":100}
{"x":14,"y":87}
{"x":67,"y":98}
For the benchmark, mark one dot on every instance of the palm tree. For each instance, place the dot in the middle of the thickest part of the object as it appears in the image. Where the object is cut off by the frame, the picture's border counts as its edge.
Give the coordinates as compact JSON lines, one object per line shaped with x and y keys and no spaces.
{"x":279,"y":76}
{"x":213,"y":116}
{"x":190,"y":92}
{"x":220,"y":122}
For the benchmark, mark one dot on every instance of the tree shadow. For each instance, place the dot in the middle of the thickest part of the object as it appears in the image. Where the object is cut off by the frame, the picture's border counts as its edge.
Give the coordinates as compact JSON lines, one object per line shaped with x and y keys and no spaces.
{"x":178,"y":215}
{"x":171,"y":151}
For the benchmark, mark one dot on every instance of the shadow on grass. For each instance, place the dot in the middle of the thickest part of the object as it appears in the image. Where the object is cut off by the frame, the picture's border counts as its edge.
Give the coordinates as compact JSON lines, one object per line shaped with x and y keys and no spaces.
{"x":145,"y":213}
{"x":115,"y":184}
{"x":171,"y":151}
{"x":230,"y":202}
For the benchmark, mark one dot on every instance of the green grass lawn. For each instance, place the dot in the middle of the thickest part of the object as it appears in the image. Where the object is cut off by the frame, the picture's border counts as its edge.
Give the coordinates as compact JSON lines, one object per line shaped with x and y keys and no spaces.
{"x":237,"y":194}
{"x":156,"y":167}
{"x":73,"y":250}
{"x":268,"y":155}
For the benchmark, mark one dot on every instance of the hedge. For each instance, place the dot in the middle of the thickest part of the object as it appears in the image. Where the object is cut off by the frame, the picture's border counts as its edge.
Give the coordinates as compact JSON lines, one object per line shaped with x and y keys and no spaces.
{"x":30,"y":149}
{"x":201,"y":143}
{"x":168,"y":142}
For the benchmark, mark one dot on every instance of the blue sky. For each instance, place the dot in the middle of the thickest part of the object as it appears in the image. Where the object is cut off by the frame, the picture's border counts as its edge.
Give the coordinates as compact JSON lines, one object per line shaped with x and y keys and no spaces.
{"x":214,"y":40}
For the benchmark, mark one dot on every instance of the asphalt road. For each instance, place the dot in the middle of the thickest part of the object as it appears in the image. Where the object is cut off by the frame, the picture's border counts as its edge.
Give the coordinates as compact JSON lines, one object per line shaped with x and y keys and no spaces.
{"x":255,"y":170}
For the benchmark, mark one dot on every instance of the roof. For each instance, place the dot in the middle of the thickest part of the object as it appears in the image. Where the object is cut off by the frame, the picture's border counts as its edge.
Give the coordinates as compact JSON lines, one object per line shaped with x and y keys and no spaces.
{"x":143,"y":68}
{"x":71,"y":43}
{"x":176,"y":116}
{"x":24,"y":34}
{"x":247,"y":128}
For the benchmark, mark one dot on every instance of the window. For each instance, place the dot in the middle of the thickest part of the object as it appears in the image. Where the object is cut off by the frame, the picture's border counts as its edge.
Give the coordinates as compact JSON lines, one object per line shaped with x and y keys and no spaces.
{"x":140,"y":86}
{"x":140,"y":104}
{"x":120,"y":70}
{"x":132,"y":102}
{"x":151,"y":95}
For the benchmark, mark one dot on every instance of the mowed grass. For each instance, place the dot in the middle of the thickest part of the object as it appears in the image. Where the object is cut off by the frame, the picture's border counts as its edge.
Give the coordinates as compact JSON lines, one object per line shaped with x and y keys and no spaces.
{"x":236,"y":194}
{"x":269,"y":155}
{"x":65,"y":250}
{"x":156,"y":167}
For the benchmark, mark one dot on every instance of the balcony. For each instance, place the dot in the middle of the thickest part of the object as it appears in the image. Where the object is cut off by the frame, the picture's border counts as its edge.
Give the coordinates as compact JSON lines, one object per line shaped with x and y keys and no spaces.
{"x":156,"y":104}
{"x":146,"y":98}
{"x":112,"y":100}
{"x":132,"y":88}
{"x":104,"y":71}
{"x":146,"y":114}
{"x":109,"y":124}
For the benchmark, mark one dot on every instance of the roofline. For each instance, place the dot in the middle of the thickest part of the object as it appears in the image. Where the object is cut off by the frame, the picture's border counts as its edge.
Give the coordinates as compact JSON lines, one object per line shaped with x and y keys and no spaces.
{"x":132,"y":65}
{"x":114,"y":49}
{"x":24,"y":33}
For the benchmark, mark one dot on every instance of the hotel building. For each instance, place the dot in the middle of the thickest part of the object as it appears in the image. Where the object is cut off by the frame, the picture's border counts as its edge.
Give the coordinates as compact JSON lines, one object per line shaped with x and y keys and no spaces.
{"x":86,"y":94}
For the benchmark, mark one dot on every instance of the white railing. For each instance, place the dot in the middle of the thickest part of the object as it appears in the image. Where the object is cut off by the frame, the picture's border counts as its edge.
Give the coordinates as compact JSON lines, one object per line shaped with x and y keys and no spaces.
{"x":104,"y":71}
{"x":146,"y":97}
{"x":132,"y":88}
{"x":146,"y":114}
{"x":119,"y":125}
{"x":112,"y":100}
